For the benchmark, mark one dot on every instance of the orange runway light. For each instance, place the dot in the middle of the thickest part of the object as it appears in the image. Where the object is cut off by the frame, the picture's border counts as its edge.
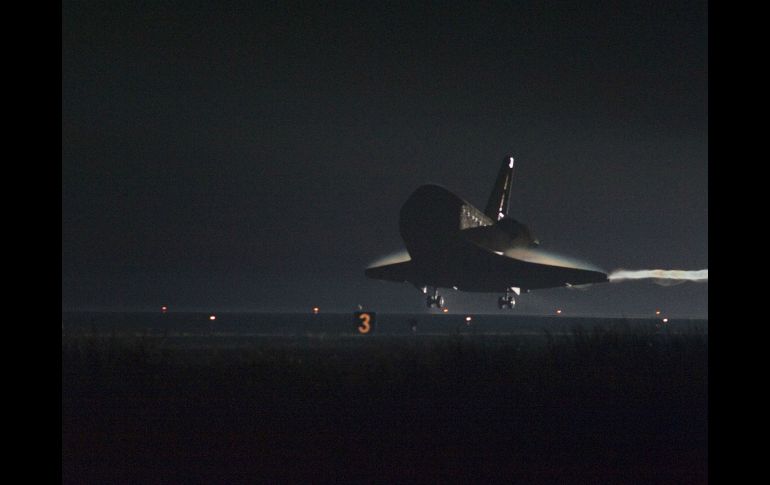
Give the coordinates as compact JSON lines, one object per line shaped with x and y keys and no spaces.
{"x":445,"y":310}
{"x":558,"y":312}
{"x":657,"y":312}
{"x":163,"y":309}
{"x":316,"y":309}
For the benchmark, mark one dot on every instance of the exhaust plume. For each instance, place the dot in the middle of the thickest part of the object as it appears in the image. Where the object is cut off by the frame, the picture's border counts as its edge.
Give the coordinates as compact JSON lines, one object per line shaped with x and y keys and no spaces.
{"x":661,"y":276}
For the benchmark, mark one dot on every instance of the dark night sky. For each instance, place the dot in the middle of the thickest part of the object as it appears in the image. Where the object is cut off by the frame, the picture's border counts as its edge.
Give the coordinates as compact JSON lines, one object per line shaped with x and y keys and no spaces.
{"x":255,"y":157}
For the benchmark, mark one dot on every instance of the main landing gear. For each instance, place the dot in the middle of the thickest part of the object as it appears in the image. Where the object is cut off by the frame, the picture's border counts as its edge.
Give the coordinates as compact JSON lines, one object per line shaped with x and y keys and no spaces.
{"x":435,"y":299}
{"x":508,"y":300}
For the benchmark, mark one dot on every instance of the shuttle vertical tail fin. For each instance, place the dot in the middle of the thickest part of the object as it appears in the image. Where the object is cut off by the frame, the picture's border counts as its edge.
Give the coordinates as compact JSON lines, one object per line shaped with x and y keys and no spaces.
{"x":497,"y":207}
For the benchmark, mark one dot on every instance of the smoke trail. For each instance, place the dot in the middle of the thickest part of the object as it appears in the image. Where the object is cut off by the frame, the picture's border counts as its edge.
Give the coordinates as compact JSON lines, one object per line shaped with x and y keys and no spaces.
{"x":661,"y":276}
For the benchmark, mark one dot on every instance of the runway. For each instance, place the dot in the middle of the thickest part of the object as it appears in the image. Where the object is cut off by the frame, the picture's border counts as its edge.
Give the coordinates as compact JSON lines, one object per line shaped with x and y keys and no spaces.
{"x":327,"y":325}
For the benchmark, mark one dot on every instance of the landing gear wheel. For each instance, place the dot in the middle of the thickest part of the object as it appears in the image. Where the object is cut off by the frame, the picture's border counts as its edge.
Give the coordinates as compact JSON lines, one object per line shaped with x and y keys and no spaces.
{"x":507,"y":301}
{"x":435,"y":300}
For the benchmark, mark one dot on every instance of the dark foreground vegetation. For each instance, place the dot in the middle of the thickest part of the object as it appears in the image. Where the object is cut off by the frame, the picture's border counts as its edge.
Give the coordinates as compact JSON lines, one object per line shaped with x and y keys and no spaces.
{"x":595,"y":406}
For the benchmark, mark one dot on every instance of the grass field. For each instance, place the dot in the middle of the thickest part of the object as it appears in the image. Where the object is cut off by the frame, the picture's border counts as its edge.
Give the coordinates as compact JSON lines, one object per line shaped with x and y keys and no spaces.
{"x":593,"y":406}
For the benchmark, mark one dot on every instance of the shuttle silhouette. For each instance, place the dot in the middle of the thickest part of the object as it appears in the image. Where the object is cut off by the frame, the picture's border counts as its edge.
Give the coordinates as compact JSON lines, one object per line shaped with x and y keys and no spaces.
{"x":452,"y":244}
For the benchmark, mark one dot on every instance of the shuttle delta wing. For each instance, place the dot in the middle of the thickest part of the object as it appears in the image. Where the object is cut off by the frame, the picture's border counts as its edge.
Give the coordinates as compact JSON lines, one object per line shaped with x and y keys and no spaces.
{"x":398,"y":272}
{"x":496,"y":272}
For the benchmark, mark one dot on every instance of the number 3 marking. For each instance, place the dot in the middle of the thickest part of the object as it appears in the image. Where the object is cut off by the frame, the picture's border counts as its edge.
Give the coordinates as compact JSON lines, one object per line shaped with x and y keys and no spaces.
{"x":364,"y":327}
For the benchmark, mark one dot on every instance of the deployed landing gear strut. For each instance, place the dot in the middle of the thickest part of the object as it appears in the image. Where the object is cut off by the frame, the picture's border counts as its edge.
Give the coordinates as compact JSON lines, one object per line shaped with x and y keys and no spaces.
{"x":508,"y":300}
{"x":435,"y":299}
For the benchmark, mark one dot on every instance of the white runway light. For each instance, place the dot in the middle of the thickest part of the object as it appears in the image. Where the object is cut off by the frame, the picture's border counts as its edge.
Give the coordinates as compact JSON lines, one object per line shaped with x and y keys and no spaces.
{"x":661,"y":276}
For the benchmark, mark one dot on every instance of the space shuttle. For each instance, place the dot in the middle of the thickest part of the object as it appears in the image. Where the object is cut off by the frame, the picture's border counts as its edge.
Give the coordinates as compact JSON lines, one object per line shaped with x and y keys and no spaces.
{"x":453,"y":244}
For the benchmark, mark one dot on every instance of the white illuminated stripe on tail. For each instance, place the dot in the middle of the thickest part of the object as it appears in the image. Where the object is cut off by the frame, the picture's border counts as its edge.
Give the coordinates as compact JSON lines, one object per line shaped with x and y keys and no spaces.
{"x":699,"y":276}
